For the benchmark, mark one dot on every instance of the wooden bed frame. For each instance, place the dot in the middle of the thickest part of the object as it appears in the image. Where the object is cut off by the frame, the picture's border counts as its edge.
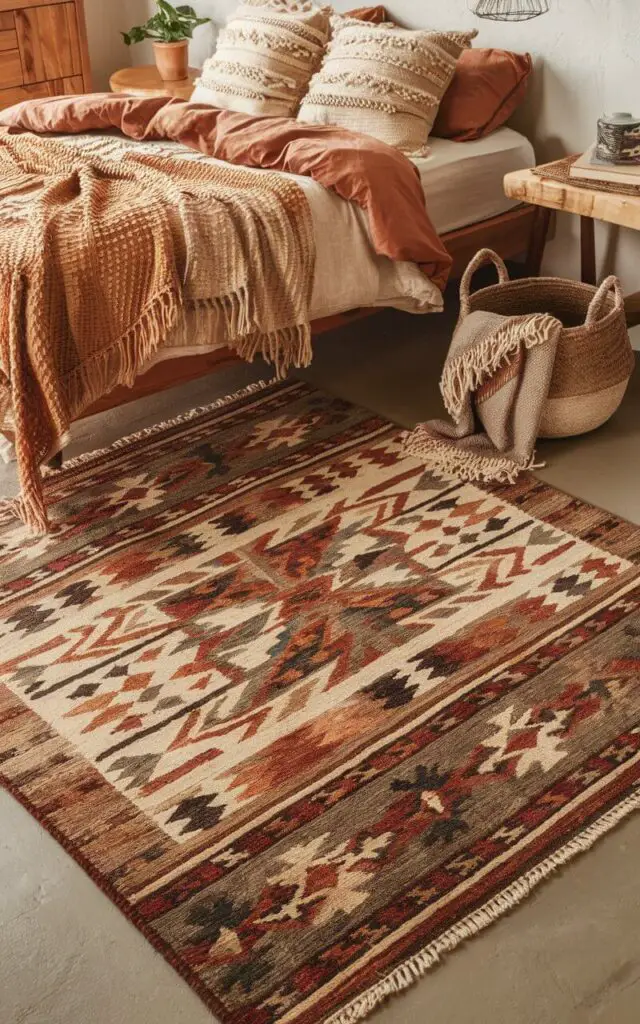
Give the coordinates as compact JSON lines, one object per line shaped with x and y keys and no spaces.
{"x":521,"y":230}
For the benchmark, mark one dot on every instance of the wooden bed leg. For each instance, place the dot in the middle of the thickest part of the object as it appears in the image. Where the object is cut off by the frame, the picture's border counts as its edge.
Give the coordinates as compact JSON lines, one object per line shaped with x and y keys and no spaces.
{"x":537,"y":241}
{"x":56,"y":461}
{"x":587,"y":250}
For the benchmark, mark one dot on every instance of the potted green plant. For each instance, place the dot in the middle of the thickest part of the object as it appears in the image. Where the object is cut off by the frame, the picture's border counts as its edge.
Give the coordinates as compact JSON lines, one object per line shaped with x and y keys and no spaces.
{"x":170,"y":30}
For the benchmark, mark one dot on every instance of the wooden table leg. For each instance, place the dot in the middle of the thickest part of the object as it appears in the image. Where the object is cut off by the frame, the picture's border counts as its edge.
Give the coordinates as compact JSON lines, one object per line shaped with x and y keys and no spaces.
{"x":537,"y":241}
{"x":632,"y":309}
{"x":587,"y":250}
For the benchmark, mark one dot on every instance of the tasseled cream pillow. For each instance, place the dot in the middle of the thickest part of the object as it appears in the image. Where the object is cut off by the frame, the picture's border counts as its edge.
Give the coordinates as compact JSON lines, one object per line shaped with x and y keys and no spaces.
{"x":265,"y":57}
{"x":384,"y":80}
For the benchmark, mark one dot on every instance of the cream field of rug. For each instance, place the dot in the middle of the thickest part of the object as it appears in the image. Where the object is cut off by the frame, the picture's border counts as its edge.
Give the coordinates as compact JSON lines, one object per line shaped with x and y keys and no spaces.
{"x":307,"y":713}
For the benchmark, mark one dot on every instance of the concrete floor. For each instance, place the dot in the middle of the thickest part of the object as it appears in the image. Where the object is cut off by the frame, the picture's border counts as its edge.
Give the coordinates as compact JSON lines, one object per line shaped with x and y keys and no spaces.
{"x":569,"y":955}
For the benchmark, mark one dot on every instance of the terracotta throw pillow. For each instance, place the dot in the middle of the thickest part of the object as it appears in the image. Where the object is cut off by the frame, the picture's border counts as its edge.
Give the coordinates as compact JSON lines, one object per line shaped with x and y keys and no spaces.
{"x":487,"y":87}
{"x":265,"y":57}
{"x":375,"y":15}
{"x":383,"y":80}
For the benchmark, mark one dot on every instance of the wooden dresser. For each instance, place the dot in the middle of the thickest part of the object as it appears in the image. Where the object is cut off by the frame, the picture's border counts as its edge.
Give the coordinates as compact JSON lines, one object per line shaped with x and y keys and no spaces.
{"x":43,"y":50}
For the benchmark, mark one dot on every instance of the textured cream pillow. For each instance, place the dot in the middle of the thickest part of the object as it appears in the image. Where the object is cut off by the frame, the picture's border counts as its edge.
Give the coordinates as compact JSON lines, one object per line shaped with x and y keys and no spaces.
{"x":265,"y":57}
{"x":384,"y":80}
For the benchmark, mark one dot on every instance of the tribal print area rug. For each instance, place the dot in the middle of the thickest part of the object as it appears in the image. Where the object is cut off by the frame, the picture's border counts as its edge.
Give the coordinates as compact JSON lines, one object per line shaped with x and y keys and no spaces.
{"x":307,"y":713}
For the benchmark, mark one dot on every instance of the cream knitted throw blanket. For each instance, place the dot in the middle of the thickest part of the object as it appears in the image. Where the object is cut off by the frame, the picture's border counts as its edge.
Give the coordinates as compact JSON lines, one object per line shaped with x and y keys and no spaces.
{"x":102,"y":262}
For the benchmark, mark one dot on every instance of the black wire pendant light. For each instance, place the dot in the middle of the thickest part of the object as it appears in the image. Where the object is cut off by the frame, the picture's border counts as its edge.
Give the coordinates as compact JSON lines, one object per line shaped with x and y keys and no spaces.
{"x":509,"y":10}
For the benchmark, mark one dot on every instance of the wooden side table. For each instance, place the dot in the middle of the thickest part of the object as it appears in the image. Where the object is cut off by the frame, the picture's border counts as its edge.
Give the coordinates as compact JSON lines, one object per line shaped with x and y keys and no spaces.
{"x":146,"y":81}
{"x":589,"y":204}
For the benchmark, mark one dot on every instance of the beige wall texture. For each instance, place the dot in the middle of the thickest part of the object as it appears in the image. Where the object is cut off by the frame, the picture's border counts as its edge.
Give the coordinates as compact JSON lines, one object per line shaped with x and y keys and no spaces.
{"x":108,"y":52}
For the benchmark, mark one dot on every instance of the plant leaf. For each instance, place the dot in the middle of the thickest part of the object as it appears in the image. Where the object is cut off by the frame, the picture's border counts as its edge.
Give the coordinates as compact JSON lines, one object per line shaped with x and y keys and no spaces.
{"x":169,"y":24}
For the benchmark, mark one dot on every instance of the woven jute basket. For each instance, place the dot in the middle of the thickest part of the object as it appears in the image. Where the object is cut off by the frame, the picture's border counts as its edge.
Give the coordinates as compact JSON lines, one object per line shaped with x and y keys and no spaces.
{"x":594,"y":358}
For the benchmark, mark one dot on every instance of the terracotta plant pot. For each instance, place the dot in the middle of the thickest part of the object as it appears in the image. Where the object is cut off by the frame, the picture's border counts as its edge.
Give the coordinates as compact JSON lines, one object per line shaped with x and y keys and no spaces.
{"x":172,"y":60}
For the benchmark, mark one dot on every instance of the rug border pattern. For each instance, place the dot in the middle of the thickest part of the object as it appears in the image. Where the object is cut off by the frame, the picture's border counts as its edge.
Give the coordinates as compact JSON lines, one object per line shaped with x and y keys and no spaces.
{"x":413,"y":968}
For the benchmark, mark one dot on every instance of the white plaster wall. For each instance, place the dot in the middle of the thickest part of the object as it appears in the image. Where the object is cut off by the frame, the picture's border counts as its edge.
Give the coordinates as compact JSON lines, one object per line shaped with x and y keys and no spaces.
{"x":587,"y":55}
{"x":106,"y":48}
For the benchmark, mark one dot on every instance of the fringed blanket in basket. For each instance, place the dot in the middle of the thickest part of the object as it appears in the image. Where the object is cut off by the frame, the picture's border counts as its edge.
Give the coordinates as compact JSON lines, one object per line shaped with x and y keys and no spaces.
{"x":102,"y":262}
{"x":494,"y":384}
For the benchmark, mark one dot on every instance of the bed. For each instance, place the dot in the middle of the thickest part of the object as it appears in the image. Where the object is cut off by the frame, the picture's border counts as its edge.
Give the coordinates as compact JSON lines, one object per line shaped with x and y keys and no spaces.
{"x":148,"y":242}
{"x":462,"y":182}
{"x":182,"y":229}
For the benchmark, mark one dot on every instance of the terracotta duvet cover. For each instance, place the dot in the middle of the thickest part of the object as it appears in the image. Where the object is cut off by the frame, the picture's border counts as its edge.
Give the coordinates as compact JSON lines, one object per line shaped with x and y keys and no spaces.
{"x":356,"y":167}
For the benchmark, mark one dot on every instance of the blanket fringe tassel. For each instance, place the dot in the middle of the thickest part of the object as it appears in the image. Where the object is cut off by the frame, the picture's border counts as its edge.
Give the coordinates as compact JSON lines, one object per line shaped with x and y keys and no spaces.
{"x":285,"y":348}
{"x":232,"y":320}
{"x":450,"y":459}
{"x":469,"y":370}
{"x":120,"y":364}
{"x":30,"y":509}
{"x":88,"y":382}
{"x":416,"y":966}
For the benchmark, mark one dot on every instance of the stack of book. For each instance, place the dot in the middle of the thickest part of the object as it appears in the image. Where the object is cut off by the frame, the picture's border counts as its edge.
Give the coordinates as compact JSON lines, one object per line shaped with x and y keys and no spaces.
{"x":614,"y":159}
{"x":591,"y":167}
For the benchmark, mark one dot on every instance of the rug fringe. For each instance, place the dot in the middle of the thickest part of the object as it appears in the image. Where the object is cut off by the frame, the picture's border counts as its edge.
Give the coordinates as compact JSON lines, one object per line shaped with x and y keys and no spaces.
{"x":8,"y":508}
{"x":158,"y":428}
{"x":416,"y":966}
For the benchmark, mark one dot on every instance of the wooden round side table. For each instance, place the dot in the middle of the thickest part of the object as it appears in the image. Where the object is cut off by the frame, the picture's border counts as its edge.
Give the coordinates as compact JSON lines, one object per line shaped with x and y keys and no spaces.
{"x":146,"y":81}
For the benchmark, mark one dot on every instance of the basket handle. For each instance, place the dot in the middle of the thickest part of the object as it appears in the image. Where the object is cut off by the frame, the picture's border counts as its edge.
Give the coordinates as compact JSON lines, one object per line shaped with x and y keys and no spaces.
{"x":610,"y":284}
{"x":479,"y":260}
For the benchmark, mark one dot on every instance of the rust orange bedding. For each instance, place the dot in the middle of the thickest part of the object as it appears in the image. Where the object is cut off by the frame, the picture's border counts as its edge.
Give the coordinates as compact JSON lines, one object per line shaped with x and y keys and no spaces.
{"x":380,"y":179}
{"x":65,"y":215}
